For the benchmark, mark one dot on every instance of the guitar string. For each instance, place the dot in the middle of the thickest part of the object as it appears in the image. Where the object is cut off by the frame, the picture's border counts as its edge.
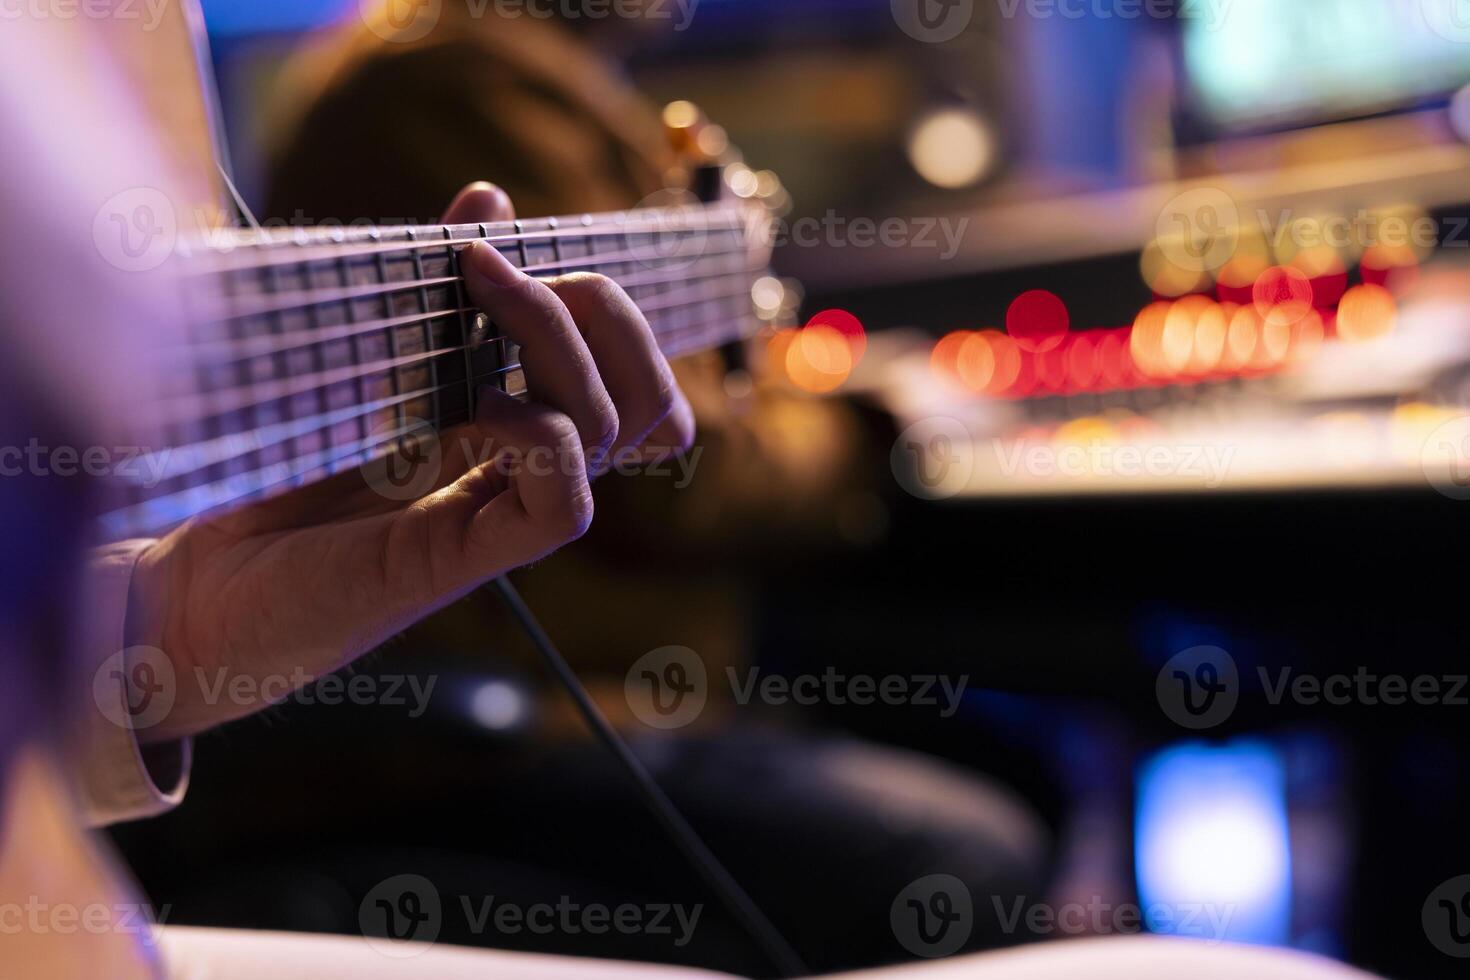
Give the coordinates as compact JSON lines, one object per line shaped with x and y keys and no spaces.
{"x":280,"y":302}
{"x":266,"y":344}
{"x":142,"y":517}
{"x":243,"y":254}
{"x":193,"y":406}
{"x":177,"y":461}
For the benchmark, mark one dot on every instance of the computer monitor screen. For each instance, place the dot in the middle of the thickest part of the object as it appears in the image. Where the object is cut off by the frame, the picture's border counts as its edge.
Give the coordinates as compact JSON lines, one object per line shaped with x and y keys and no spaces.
{"x":1258,"y":64}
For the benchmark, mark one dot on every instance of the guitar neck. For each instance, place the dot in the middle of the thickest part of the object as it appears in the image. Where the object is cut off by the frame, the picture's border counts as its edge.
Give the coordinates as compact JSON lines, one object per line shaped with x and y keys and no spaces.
{"x":314,"y":351}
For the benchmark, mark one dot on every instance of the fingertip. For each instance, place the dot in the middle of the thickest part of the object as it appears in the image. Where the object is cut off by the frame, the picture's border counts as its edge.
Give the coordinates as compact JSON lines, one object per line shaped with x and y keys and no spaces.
{"x":480,"y":201}
{"x":483,"y":264}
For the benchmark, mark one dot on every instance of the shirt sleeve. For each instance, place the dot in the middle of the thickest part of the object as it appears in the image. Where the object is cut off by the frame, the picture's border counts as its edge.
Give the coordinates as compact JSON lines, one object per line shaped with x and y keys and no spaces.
{"x":121,"y":778}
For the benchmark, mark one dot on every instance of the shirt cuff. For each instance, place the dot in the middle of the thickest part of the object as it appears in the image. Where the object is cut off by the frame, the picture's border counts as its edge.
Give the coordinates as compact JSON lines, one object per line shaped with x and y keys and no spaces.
{"x":121,"y":778}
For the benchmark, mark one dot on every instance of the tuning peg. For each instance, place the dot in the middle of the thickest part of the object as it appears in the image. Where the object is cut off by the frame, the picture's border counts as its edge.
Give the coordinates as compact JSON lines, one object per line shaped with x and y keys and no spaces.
{"x":695,"y":140}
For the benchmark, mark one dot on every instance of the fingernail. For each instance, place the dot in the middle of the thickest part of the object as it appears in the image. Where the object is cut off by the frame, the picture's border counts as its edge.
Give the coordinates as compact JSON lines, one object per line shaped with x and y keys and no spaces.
{"x":486,"y":262}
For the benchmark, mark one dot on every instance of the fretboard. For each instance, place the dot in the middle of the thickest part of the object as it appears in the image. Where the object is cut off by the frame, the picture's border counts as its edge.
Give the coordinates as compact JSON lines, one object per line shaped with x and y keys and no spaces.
{"x":312,"y":352}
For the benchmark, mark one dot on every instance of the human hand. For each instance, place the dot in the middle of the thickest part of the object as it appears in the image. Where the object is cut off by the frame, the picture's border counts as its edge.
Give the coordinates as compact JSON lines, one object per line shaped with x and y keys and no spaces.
{"x":292,"y":588}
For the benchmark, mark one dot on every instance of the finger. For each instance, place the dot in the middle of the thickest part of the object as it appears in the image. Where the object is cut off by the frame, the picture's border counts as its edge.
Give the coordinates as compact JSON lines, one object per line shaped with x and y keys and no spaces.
{"x":560,"y":370}
{"x":529,"y":499}
{"x":634,"y":370}
{"x":480,"y":201}
{"x":674,"y":435}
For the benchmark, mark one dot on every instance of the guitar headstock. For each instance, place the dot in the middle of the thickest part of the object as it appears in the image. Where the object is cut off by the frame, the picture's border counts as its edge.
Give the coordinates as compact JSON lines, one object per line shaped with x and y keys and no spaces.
{"x":708,"y":167}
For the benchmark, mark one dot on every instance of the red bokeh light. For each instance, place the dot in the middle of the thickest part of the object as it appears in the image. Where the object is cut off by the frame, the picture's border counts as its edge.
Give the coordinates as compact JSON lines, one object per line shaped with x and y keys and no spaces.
{"x":846,"y":324}
{"x":1112,"y":358}
{"x":1051,"y":369}
{"x":1038,"y":320}
{"x":1082,"y":362}
{"x":1283,"y":288}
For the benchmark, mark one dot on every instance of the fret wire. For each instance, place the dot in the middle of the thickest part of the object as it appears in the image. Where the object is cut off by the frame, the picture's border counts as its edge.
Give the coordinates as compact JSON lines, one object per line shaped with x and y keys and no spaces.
{"x":380,"y":265}
{"x":665,"y":308}
{"x":245,"y":348}
{"x":697,"y":332}
{"x":180,"y":460}
{"x":288,"y":301}
{"x":525,"y":263}
{"x":318,"y":356}
{"x":278,"y":361}
{"x":207,"y":402}
{"x":672,"y":341}
{"x":262,"y":479}
{"x":701,"y":334}
{"x":464,"y":324}
{"x":210,"y":403}
{"x":400,"y":414}
{"x":254,"y":253}
{"x":218,"y":449}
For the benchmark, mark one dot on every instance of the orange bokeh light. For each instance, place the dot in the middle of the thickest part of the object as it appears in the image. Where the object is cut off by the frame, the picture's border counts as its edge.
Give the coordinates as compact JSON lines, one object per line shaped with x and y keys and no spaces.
{"x":1007,"y":354}
{"x":975,"y":362}
{"x":819,"y":359}
{"x":1366,"y":313}
{"x":1146,"y":342}
{"x":1306,"y":333}
{"x":1395,"y":266}
{"x":1209,"y":340}
{"x":944,"y":361}
{"x":1241,"y":339}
